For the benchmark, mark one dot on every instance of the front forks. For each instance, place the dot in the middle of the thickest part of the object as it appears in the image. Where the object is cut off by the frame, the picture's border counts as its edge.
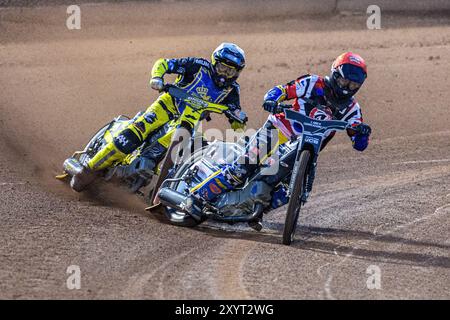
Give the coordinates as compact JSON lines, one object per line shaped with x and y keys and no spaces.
{"x":311,"y":175}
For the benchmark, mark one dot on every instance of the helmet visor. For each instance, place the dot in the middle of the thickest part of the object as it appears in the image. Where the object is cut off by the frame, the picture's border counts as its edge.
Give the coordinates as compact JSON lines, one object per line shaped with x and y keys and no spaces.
{"x":226,"y":70}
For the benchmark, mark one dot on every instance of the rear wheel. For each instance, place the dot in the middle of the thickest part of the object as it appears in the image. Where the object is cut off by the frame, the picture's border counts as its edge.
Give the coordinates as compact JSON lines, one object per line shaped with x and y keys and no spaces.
{"x":293,"y":210}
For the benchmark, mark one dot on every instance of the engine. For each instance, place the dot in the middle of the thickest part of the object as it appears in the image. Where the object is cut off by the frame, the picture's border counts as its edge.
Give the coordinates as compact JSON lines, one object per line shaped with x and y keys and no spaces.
{"x":239,"y":202}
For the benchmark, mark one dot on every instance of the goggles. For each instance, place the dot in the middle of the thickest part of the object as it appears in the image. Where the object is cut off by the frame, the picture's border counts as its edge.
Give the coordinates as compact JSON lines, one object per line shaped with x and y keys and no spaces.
{"x":347,"y":84}
{"x":226,"y":70}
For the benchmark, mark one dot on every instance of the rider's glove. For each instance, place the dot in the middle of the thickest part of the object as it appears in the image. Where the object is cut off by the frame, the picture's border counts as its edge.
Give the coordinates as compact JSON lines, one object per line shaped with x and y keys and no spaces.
{"x":270,"y":106}
{"x":363,"y":129}
{"x":157,"y":83}
{"x":238,"y":125}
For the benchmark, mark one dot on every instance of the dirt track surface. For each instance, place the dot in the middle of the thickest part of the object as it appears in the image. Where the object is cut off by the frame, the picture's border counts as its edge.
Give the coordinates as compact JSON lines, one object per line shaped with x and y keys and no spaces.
{"x":387,"y":207}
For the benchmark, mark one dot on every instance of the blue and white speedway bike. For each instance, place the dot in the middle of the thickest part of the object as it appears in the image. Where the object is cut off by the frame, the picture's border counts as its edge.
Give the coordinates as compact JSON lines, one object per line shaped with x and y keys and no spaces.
{"x":256,"y":196}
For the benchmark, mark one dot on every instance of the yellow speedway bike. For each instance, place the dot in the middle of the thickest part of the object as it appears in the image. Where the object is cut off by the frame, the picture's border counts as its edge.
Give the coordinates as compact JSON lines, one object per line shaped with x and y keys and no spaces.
{"x":137,"y":170}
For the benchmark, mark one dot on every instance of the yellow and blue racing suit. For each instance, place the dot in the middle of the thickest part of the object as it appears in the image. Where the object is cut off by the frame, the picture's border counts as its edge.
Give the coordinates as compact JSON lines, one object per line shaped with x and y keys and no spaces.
{"x":195,"y":76}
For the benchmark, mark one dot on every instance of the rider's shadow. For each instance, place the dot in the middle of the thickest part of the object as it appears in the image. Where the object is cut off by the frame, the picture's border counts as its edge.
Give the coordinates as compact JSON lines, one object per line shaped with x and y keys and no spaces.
{"x":342,"y":241}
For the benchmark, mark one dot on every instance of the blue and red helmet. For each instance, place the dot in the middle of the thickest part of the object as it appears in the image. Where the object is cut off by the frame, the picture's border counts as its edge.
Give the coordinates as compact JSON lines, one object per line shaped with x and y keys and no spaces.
{"x":348,"y":73}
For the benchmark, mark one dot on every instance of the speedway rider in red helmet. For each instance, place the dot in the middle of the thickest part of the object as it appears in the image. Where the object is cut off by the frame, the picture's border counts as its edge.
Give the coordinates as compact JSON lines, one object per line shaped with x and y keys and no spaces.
{"x":335,"y":92}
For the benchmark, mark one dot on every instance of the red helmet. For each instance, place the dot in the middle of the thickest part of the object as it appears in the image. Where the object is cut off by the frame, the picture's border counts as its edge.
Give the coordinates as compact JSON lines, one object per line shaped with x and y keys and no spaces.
{"x":348,"y":73}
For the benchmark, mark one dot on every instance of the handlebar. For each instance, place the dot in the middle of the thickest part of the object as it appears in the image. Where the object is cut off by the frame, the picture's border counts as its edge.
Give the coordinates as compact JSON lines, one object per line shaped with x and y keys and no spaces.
{"x":182,"y":94}
{"x":281,"y":107}
{"x":332,"y":124}
{"x":231,"y":115}
{"x":314,"y":125}
{"x":175,"y":91}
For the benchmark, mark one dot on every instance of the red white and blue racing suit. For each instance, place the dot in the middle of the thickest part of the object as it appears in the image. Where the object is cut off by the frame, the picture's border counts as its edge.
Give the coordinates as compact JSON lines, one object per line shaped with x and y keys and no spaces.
{"x":312,"y":88}
{"x":306,"y":91}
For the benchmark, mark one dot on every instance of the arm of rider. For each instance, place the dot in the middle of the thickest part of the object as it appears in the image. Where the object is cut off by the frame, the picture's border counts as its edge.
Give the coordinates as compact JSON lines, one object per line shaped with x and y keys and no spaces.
{"x":278,"y":94}
{"x":235,"y":115}
{"x":159,"y":69}
{"x":163,"y":66}
{"x":301,"y":87}
{"x":359,"y":131}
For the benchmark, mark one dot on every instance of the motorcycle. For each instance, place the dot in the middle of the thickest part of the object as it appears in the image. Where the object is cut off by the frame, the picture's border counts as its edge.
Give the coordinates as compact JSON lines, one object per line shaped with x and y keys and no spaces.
{"x":249,"y":202}
{"x":138,"y":169}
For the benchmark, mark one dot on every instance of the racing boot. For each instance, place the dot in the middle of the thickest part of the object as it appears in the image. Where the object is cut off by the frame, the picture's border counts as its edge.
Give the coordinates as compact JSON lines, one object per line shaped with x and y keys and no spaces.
{"x":144,"y":165}
{"x":141,"y":166}
{"x":81,"y":176}
{"x":82,"y":179}
{"x":105,"y":157}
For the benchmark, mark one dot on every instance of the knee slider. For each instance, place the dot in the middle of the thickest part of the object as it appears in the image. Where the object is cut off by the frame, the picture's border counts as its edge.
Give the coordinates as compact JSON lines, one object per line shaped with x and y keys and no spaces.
{"x":127,"y":141}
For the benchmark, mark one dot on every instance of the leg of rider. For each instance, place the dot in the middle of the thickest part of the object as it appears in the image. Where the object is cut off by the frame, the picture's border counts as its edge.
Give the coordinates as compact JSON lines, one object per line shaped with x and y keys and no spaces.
{"x":229,"y":177}
{"x":282,"y":171}
{"x":150,"y":157}
{"x":158,"y":149}
{"x":159,"y":113}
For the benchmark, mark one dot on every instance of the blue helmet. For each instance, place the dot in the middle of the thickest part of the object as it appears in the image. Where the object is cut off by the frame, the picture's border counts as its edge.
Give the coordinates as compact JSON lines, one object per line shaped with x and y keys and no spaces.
{"x":227,"y":60}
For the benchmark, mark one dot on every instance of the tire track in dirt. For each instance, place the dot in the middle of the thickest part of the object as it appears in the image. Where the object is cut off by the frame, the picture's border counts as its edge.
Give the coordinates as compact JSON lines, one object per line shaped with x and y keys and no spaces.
{"x":137,"y":284}
{"x":328,"y":283}
{"x":229,"y":270}
{"x":345,"y":257}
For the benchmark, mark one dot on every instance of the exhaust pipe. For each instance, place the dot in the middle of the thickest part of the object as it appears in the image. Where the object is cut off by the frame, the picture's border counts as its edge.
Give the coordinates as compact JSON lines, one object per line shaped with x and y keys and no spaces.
{"x":172,"y":198}
{"x":180,"y":201}
{"x":72,"y":166}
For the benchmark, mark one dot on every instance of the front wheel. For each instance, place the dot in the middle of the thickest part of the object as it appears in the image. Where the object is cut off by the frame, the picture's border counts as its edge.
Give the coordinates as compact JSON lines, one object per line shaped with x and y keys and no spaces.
{"x":293,"y":210}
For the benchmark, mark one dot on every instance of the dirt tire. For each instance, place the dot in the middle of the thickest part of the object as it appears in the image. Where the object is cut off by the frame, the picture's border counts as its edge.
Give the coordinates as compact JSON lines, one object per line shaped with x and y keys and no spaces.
{"x":294,"y":206}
